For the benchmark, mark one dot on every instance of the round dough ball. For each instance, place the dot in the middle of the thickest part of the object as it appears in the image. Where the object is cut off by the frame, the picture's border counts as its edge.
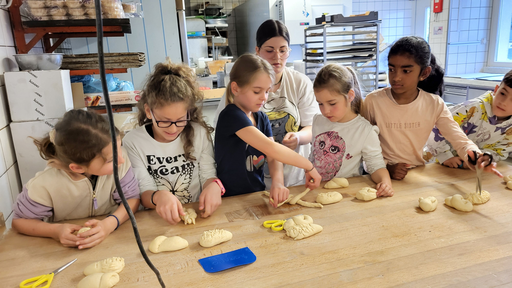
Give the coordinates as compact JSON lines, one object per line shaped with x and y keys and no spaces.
{"x":428,"y":204}
{"x":507,"y":178}
{"x":336,"y":183}
{"x":509,"y":184}
{"x":113,"y":264}
{"x":163,"y":244}
{"x":458,"y":202}
{"x":329,"y":197}
{"x":214,"y":237}
{"x":99,"y":280}
{"x":82,"y":230}
{"x":476,"y":198}
{"x":366,"y":194}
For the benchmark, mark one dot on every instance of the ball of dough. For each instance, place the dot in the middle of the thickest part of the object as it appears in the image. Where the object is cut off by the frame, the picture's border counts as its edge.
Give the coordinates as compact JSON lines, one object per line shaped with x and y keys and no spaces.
{"x":214,"y":237}
{"x":428,"y":204}
{"x":336,"y":183}
{"x":163,"y":244}
{"x":189,"y":217}
{"x":509,"y":184}
{"x":82,"y":230}
{"x":458,"y":202}
{"x":329,"y":197}
{"x":99,"y":280}
{"x":113,"y":264}
{"x":476,"y":198}
{"x":366,"y":194}
{"x":507,"y":178}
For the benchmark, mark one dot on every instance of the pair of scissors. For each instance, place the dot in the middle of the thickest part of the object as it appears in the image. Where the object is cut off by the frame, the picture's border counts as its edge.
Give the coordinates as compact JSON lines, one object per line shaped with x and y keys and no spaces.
{"x":478,"y":170}
{"x":275,"y":225}
{"x":41,"y":279}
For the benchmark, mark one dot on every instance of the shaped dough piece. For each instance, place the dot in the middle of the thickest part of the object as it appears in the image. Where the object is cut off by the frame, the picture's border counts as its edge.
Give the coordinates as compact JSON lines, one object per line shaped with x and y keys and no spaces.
{"x":428,"y":204}
{"x":99,"y":280}
{"x":297,"y":198}
{"x":507,"y":178}
{"x":189,"y":217}
{"x":214,"y":237}
{"x":329,"y":197}
{"x":336,"y":183}
{"x":509,"y":184}
{"x":476,"y":198}
{"x":309,"y":204}
{"x":458,"y":202}
{"x":163,"y":244}
{"x":113,"y":264}
{"x":290,"y":197}
{"x":366,"y":194}
{"x":302,"y":231}
{"x":82,"y":230}
{"x":297,"y":220}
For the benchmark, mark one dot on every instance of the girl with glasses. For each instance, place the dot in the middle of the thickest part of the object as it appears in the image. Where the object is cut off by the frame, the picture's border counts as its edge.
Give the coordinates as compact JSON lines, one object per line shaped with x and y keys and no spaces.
{"x":243,"y":140}
{"x":291,"y":102}
{"x":171,"y":151}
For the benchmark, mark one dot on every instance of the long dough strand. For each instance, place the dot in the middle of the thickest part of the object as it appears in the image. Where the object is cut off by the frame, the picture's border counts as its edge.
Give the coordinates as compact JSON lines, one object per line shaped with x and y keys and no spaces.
{"x":297,"y":198}
{"x":309,"y":204}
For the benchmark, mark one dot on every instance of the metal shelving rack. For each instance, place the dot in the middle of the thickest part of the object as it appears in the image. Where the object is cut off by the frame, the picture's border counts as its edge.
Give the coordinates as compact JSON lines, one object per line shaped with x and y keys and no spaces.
{"x":354,"y":44}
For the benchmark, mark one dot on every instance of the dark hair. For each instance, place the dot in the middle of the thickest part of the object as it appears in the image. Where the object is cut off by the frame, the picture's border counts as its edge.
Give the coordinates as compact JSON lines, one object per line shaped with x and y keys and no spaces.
{"x":243,"y":71}
{"x":174,"y":83}
{"x":507,"y":80}
{"x":417,"y":48}
{"x":340,"y":79}
{"x":270,"y":29}
{"x":77,"y":138}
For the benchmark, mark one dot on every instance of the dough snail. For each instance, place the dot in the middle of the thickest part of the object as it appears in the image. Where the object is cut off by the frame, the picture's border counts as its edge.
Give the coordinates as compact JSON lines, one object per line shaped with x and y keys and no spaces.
{"x":477,"y":198}
{"x":189,"y":217}
{"x":329,"y":197}
{"x":336,"y":183}
{"x":113,"y":264}
{"x":301,"y":226}
{"x":214,"y":237}
{"x":99,"y":280}
{"x":428,"y":204}
{"x":366,"y":194}
{"x":458,"y":202}
{"x":163,"y":244}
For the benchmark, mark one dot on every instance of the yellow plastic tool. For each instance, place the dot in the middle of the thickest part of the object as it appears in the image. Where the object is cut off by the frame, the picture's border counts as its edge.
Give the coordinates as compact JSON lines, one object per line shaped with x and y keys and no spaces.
{"x":275,"y":225}
{"x":41,"y":279}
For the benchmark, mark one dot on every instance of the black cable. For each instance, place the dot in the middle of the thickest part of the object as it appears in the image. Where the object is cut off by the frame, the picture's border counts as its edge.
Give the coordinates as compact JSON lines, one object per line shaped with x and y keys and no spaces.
{"x":101,"y":60}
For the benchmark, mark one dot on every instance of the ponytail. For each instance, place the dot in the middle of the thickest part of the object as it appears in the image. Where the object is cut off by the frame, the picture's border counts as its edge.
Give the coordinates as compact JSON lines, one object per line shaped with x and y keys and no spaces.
{"x":46,"y":148}
{"x":434,"y":83}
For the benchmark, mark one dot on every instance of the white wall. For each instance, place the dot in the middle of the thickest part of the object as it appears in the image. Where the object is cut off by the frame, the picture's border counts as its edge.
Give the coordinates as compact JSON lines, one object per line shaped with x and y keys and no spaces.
{"x":9,"y":175}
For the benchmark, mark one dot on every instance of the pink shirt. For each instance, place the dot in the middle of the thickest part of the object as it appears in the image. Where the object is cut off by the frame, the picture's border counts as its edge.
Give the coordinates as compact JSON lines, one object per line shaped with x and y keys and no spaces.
{"x":404,"y":129}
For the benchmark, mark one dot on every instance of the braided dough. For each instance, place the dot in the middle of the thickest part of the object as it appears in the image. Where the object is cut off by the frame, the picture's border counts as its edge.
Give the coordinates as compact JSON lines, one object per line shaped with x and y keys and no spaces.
{"x":300,"y":202}
{"x":476,"y":198}
{"x":301,"y":226}
{"x":458,"y":202}
{"x":99,"y":280}
{"x":329,"y":197}
{"x":428,"y":204}
{"x":336,"y":183}
{"x":114,"y":264}
{"x":366,"y":194}
{"x":163,"y":244}
{"x":189,"y":217}
{"x":214,"y":237}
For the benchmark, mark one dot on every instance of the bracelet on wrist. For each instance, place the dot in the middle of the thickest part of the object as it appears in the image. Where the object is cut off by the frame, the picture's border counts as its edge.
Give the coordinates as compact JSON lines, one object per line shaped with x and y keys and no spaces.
{"x":311,"y":169}
{"x":117,"y":219}
{"x":153,"y":195}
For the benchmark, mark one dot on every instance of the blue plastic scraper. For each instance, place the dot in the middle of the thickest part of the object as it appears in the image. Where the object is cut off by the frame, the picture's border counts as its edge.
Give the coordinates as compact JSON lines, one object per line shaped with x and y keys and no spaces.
{"x":227,"y":260}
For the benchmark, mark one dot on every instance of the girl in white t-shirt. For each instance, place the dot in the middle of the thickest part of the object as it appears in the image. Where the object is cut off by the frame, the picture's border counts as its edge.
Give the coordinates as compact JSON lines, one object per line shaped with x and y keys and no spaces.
{"x":172,"y":151}
{"x":342,"y":139}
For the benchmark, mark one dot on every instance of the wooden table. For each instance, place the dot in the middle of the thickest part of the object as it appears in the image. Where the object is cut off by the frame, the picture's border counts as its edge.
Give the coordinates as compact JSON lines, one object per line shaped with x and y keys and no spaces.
{"x":382,"y":243}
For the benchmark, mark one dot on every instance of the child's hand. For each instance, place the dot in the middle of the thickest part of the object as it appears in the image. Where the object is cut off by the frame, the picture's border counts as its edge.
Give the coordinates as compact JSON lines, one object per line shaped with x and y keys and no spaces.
{"x":481,"y":163}
{"x":278,"y":193}
{"x":453,"y":162}
{"x":397,"y":171}
{"x":168,"y":206}
{"x":99,"y":232}
{"x":291,"y":140}
{"x":384,"y":189}
{"x":64,"y":234}
{"x":210,"y":199}
{"x":315,"y":176}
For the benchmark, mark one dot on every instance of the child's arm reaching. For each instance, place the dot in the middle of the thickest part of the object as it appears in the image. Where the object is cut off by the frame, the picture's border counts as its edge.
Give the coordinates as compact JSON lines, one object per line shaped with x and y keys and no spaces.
{"x":384,"y":187}
{"x":252,"y":136}
{"x":293,"y":140}
{"x":278,"y":193}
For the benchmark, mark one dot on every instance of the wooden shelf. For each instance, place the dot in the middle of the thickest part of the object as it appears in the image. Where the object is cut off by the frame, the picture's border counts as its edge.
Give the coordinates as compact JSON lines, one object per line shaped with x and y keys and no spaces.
{"x":59,"y":29}
{"x":96,"y":71}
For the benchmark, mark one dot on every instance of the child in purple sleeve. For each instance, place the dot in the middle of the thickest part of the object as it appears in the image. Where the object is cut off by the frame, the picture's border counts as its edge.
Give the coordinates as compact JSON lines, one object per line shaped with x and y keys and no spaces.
{"x":78,"y":182}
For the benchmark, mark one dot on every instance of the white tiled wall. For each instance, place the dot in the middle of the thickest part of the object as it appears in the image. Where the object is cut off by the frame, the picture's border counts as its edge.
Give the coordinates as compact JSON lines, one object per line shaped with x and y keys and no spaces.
{"x":439,"y":32}
{"x":397,"y":16}
{"x":468,"y":36}
{"x":9,"y":175}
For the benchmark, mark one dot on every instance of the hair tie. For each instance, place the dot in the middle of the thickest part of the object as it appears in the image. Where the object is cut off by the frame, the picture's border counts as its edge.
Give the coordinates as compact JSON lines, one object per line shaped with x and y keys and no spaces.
{"x":52,"y":136}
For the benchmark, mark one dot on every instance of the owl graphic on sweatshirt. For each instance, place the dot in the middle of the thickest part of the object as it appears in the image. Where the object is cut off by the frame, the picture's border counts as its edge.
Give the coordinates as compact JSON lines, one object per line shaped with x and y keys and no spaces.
{"x":328,"y":151}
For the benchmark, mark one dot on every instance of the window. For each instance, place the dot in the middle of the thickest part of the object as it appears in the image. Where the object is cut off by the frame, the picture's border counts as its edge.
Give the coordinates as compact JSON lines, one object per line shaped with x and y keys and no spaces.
{"x":500,"y":45}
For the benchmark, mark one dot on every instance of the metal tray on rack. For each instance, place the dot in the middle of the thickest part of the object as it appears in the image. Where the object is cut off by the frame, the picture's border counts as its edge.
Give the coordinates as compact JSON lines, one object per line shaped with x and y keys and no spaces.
{"x":339,"y":18}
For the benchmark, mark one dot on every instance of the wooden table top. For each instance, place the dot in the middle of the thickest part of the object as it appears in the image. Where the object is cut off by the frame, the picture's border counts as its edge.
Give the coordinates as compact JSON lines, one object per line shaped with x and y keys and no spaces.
{"x":381,"y":243}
